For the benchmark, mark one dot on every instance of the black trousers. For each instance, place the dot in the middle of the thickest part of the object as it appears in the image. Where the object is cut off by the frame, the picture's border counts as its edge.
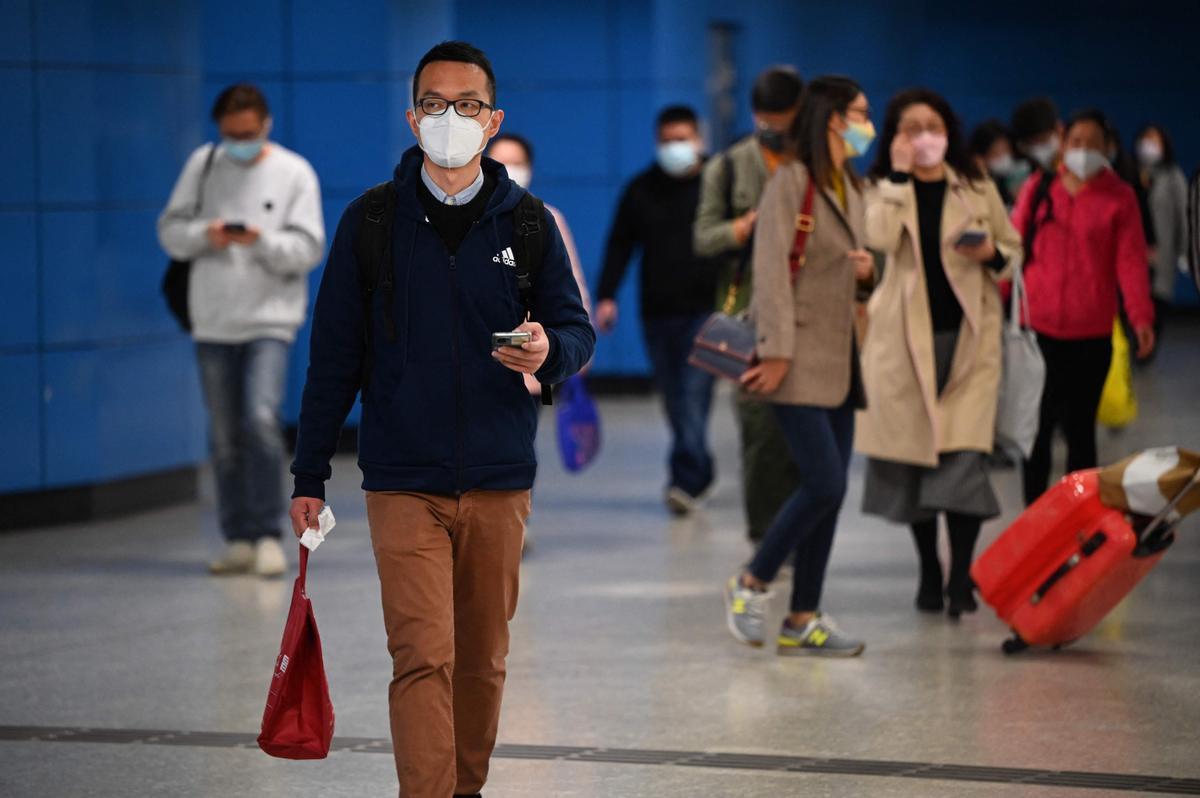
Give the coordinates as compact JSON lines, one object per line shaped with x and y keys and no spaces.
{"x":1075,"y":374}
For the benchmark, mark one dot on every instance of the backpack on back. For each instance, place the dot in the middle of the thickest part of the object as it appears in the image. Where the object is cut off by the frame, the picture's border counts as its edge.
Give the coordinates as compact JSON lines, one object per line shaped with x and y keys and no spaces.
{"x":373,"y":251}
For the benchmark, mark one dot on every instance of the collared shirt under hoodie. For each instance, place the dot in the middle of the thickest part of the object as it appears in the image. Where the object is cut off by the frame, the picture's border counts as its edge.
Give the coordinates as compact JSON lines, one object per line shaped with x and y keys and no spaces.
{"x":440,"y":415}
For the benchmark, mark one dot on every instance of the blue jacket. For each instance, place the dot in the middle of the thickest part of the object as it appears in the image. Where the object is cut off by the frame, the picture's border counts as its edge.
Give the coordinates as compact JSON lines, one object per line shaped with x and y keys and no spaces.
{"x":440,"y":415}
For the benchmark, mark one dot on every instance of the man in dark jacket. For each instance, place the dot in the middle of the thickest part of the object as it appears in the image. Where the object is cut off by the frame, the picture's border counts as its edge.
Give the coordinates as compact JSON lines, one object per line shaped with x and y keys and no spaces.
{"x":446,"y":440}
{"x":677,"y":289}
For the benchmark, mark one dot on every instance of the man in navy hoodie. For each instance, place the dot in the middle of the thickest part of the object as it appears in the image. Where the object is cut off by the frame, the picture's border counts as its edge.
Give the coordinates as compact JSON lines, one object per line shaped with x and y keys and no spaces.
{"x":446,"y":439}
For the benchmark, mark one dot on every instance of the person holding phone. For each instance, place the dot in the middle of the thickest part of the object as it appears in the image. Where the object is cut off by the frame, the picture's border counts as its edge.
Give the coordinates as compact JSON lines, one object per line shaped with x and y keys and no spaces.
{"x":252,"y":238}
{"x":931,"y":362}
{"x":807,"y":370}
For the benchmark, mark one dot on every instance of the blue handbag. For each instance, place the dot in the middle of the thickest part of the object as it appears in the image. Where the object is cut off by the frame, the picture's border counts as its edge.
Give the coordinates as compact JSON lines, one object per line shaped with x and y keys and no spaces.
{"x":578,"y":425}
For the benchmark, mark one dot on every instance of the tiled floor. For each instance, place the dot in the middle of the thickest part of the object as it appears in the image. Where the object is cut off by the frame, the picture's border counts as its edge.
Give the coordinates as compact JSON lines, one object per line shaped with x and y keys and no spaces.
{"x":619,"y":643}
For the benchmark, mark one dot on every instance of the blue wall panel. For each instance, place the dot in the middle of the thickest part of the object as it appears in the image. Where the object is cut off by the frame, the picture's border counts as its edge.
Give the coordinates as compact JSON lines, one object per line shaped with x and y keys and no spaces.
{"x":113,"y":136}
{"x":104,"y":269}
{"x":18,"y":264}
{"x":16,"y":41}
{"x":16,"y":136}
{"x":244,"y":37}
{"x":121,"y":411}
{"x":20,"y":423}
{"x":142,"y":33}
{"x":352,"y":133}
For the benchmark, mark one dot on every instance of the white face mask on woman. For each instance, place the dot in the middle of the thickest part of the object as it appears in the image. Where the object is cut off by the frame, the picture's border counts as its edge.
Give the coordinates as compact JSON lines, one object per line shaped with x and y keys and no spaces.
{"x":1045,"y":153}
{"x":1084,"y":164}
{"x":1150,"y":152}
{"x":451,"y":140}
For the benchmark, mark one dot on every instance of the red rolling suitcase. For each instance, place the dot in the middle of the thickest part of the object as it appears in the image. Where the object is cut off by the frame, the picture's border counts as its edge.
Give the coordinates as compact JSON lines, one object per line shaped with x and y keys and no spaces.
{"x":1067,"y":561}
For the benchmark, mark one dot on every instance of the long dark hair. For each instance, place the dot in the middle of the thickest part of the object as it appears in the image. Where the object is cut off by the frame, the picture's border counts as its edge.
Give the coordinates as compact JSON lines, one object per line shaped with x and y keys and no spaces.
{"x":823,"y":97}
{"x":956,"y":149}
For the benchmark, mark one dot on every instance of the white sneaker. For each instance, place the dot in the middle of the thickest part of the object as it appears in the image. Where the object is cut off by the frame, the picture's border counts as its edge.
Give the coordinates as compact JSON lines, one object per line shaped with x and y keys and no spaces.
{"x":237,"y":559}
{"x":269,"y":559}
{"x":679,"y":501}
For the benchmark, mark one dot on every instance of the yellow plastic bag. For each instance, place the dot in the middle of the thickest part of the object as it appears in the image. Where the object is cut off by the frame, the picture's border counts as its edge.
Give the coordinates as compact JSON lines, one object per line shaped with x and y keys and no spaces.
{"x":1118,"y":403}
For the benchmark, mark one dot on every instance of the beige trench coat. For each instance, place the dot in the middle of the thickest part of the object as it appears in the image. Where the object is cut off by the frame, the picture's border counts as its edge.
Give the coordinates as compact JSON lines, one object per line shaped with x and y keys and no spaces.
{"x":905,"y":420}
{"x":811,"y":322}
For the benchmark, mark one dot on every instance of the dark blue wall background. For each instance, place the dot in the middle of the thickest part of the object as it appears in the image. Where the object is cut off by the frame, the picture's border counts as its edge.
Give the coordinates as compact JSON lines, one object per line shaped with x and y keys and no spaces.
{"x":102,"y":101}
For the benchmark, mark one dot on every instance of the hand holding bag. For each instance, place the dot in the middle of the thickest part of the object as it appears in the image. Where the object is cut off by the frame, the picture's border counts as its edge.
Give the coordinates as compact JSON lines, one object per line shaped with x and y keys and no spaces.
{"x":725,"y":345}
{"x":1018,"y":412}
{"x":298,"y":719}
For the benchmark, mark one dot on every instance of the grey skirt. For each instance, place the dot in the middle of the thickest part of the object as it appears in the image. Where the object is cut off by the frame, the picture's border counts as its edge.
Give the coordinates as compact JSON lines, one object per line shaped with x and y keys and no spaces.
{"x":908,"y":494}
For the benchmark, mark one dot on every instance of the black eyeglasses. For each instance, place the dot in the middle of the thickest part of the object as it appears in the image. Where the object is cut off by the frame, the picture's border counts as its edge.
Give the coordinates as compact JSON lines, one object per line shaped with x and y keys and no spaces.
{"x":436,"y":106}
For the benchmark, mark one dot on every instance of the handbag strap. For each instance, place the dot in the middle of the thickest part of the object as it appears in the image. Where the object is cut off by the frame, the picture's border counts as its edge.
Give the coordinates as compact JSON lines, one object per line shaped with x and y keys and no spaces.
{"x":208,"y":159}
{"x":804,"y":227}
{"x":302,"y":579}
{"x":1018,"y":313}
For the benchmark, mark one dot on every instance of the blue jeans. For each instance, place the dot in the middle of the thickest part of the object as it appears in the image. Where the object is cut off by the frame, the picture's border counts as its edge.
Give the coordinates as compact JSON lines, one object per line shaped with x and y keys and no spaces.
{"x":243,"y":391}
{"x":820,"y":442}
{"x":687,"y":397}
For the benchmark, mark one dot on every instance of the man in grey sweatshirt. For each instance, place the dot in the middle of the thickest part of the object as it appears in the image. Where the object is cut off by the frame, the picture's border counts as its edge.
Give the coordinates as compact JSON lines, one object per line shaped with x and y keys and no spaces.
{"x":249,"y":219}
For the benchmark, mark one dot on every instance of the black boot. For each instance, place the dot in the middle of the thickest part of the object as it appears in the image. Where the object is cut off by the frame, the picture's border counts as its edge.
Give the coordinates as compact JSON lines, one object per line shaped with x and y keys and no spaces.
{"x":960,"y":592}
{"x":929,"y":592}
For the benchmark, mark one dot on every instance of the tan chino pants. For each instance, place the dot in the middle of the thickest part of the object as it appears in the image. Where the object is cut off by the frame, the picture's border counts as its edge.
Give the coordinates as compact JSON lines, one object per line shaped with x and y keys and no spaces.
{"x":448,"y":573}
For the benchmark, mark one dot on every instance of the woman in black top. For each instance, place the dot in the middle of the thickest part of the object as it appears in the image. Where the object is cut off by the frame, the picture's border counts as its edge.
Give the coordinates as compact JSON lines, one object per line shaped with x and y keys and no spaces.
{"x":931,"y":361}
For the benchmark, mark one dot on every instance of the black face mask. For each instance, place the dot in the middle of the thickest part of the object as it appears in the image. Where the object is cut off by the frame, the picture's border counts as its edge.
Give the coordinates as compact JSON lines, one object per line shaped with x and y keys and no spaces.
{"x":773,"y":140}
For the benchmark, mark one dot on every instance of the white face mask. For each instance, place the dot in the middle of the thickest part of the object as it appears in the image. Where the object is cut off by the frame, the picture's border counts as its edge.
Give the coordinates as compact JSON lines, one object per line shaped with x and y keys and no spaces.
{"x":521,"y":175}
{"x":677,"y":158}
{"x":1084,"y":164}
{"x":1149,"y":152}
{"x":1001,"y":165}
{"x":1045,"y":153}
{"x":451,"y":140}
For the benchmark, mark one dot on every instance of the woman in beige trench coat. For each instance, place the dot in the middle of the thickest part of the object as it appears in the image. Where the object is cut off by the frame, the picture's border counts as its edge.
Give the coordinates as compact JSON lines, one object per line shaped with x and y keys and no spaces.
{"x":931,"y":360}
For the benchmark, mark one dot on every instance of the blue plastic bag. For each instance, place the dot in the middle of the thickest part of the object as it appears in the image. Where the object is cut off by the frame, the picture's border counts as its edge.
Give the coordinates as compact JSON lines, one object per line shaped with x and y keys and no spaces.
{"x":578,"y":425}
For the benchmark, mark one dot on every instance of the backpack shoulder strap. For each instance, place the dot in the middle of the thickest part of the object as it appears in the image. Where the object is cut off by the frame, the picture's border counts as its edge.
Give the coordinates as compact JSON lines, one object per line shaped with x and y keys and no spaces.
{"x":1041,"y":196}
{"x":372,"y":251}
{"x":529,"y":250}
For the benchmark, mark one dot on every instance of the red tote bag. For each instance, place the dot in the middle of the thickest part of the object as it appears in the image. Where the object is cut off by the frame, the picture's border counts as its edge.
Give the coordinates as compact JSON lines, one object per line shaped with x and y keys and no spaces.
{"x":298,"y":720}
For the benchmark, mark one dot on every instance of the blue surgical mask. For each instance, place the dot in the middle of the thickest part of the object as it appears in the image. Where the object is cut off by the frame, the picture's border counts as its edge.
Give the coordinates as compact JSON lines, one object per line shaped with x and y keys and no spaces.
{"x":677,"y":158}
{"x":244,"y":151}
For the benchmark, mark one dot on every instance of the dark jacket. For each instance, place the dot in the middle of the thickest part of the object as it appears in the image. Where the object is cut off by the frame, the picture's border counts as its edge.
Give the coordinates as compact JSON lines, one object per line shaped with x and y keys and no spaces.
{"x":656,"y":213}
{"x":440,"y":415}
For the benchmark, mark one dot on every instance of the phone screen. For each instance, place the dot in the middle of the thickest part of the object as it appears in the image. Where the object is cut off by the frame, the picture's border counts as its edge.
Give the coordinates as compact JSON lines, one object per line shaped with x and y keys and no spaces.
{"x":235,"y":227}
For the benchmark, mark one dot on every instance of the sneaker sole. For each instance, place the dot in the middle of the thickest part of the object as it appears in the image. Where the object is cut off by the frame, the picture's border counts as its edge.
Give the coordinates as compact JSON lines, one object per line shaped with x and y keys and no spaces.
{"x":808,"y":651}
{"x":733,"y":630}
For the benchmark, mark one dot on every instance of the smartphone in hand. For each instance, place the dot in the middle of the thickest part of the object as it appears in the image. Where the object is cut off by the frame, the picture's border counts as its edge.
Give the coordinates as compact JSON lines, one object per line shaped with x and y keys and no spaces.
{"x":235,"y":227}
{"x":510,"y":339}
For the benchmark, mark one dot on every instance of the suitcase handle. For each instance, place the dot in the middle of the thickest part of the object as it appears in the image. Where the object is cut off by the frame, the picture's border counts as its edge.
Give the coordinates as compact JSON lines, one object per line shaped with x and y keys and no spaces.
{"x":1090,"y":546}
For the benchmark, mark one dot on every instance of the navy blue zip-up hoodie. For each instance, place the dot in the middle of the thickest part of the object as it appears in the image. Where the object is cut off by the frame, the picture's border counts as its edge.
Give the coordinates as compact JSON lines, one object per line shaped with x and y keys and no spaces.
{"x":440,"y":415}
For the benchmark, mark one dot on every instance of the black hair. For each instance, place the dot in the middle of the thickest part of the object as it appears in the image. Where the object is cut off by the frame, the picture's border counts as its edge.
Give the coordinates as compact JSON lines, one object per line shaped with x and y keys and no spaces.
{"x":461,"y":52}
{"x":956,"y":150}
{"x":1096,"y":117}
{"x":517,"y":139}
{"x":240,"y":97}
{"x":1168,"y":146}
{"x":676,"y":113}
{"x":823,"y":97}
{"x":985,"y":135}
{"x":776,"y":89}
{"x":1033,"y":118}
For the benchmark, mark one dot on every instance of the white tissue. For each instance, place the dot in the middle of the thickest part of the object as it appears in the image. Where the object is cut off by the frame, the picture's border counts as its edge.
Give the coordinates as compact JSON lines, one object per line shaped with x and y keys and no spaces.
{"x":315,"y":537}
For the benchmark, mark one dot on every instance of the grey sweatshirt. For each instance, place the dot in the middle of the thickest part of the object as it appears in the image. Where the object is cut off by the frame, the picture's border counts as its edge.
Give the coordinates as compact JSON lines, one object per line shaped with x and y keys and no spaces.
{"x":242,"y":293}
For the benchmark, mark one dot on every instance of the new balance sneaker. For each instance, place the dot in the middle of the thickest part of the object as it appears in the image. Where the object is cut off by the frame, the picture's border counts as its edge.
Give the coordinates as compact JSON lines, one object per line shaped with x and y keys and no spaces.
{"x":744,"y":612}
{"x":820,"y":638}
{"x":268,"y":558}
{"x":238,"y":558}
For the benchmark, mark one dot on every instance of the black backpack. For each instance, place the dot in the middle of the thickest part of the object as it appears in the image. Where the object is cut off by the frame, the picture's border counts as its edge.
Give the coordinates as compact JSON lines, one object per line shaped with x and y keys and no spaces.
{"x":373,"y":248}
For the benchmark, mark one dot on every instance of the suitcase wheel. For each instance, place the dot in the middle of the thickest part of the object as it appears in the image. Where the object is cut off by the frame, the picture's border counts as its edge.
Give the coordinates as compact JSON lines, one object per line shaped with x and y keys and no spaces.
{"x":1014,"y":645}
